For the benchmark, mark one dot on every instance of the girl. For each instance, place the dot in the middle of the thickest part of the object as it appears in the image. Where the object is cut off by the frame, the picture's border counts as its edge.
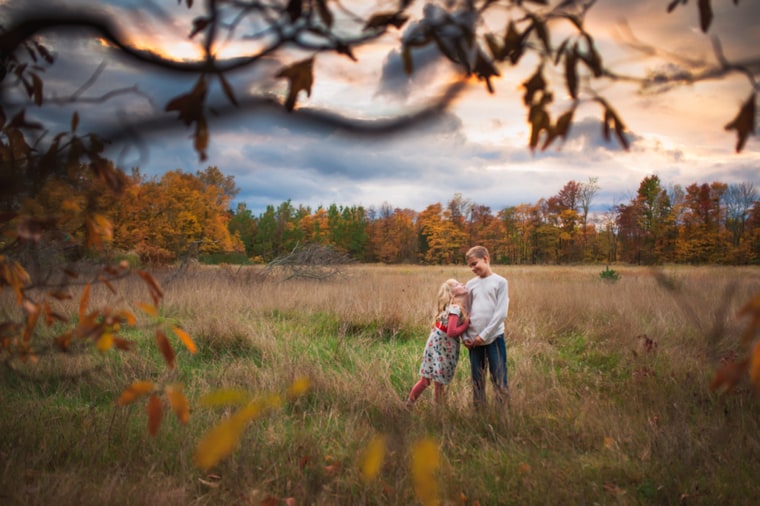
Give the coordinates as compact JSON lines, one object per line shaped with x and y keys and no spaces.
{"x":439,"y":360}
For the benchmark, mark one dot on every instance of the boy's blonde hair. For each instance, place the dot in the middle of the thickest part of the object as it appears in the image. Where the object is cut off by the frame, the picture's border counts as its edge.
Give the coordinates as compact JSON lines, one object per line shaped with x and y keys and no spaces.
{"x":477,"y":252}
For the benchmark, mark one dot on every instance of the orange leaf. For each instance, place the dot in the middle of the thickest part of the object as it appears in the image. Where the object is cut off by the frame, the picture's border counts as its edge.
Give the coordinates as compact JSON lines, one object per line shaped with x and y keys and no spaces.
{"x":107,"y":283}
{"x":728,"y":375}
{"x":155,"y":413}
{"x":128,"y":317}
{"x":165,"y":347}
{"x":148,"y":309}
{"x":60,"y":295}
{"x":84,"y":301}
{"x":186,"y":339}
{"x":155,"y":290}
{"x":754,"y":366}
{"x":51,"y":316}
{"x":134,"y":392}
{"x":31,"y":322}
{"x":178,"y":402}
{"x":63,"y":341}
{"x":122,"y":344}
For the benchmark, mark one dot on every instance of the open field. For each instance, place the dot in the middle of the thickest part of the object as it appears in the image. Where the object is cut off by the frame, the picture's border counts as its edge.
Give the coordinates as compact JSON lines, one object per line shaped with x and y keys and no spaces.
{"x":609,"y":394}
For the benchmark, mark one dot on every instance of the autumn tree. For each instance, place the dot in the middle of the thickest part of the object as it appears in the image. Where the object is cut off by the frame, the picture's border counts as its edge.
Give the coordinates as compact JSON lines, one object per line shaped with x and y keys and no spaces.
{"x":443,"y":240}
{"x":701,"y":237}
{"x":392,"y":235}
{"x":178,"y":214}
{"x":644,"y":224}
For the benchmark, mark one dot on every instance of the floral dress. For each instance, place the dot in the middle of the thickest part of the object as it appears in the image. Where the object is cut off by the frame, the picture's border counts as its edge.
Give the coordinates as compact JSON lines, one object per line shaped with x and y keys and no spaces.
{"x":441,"y":354}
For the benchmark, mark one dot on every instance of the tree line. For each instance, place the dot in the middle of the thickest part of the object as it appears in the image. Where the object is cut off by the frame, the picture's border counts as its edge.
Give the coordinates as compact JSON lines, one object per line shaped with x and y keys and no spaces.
{"x":700,"y":223}
{"x":180,"y":214}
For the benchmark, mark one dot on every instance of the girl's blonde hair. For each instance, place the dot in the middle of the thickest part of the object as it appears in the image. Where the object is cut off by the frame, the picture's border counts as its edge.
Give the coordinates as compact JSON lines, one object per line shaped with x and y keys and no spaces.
{"x":445,"y":296}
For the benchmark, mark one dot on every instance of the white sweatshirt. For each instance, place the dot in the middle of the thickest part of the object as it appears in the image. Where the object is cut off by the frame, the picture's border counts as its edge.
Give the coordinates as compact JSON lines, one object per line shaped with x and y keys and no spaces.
{"x":489,"y":303}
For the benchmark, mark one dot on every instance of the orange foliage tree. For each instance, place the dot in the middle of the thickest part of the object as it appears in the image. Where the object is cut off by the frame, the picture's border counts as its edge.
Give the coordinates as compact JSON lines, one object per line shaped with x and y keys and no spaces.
{"x":177,"y":214}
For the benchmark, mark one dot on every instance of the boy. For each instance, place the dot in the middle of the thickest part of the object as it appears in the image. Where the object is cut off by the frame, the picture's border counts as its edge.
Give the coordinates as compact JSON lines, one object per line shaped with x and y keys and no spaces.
{"x":489,"y":303}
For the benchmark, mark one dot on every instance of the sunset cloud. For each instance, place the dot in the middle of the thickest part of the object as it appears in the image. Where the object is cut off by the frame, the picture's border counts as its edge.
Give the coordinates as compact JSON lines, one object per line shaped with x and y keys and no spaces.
{"x":478,"y":147}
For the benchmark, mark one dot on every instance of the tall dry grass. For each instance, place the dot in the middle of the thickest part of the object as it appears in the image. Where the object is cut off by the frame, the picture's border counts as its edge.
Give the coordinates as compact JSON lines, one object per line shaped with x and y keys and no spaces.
{"x":609,"y":399}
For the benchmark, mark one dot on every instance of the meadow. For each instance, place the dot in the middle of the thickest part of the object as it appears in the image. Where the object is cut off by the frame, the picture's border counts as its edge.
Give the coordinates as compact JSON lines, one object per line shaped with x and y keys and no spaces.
{"x":609,"y":383}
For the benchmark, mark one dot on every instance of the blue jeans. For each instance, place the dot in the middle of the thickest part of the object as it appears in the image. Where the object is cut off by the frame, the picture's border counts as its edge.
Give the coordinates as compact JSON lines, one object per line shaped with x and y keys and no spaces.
{"x":494,"y":356}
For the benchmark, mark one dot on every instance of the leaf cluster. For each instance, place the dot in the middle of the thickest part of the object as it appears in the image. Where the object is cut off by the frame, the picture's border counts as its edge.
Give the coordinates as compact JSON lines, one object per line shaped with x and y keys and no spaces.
{"x":462,"y":33}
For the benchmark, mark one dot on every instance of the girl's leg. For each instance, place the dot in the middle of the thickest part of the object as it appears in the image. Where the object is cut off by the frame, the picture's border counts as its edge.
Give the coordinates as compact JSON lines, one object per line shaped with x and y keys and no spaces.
{"x":439,"y":392}
{"x":417,"y":389}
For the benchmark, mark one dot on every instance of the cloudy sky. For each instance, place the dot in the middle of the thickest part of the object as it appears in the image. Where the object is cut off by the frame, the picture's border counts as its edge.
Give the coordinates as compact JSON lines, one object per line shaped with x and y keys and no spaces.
{"x":477,"y":146}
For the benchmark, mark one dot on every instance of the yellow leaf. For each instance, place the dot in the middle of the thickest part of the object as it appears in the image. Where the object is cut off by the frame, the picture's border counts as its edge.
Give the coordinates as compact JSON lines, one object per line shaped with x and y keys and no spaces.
{"x":84,"y":301}
{"x":225,"y":437}
{"x":134,"y":392}
{"x":186,"y":339}
{"x":148,"y":309}
{"x":220,"y":398}
{"x":105,"y":342}
{"x":373,"y":457}
{"x":178,"y":402}
{"x":299,"y":387}
{"x":609,"y":443}
{"x":754,"y":365}
{"x":425,"y":462}
{"x":155,"y":414}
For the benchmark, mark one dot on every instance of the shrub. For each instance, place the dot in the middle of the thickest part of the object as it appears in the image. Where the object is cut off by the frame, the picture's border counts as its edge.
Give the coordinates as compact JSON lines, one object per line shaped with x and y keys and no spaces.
{"x":610,"y":275}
